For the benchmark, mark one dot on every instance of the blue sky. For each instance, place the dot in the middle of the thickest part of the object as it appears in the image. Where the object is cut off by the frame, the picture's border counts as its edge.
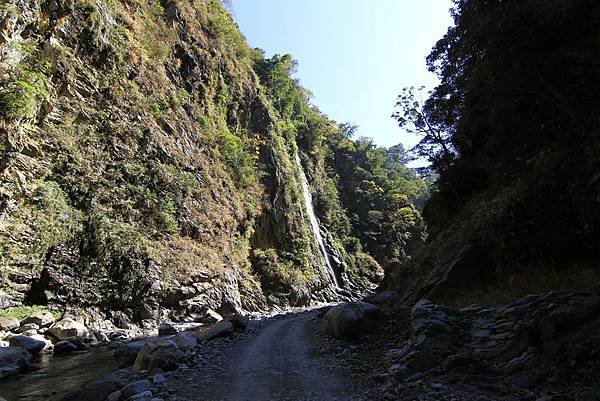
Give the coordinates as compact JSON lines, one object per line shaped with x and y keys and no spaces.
{"x":355,"y":56}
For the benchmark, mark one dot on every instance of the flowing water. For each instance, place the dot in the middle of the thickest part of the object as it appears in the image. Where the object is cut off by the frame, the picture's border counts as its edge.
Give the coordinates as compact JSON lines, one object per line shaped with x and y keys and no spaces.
{"x":58,"y":376}
{"x":315,"y":225}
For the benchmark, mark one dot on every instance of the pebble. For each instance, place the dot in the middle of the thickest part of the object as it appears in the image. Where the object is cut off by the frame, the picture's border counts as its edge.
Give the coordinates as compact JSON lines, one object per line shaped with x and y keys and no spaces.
{"x":158,"y":378}
{"x":114,"y":396}
{"x":143,"y":396}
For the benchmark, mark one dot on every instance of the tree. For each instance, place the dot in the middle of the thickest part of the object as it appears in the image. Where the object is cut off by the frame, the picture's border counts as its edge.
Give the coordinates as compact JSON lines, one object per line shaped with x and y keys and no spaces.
{"x":399,"y":154}
{"x":348,"y":129}
{"x":415,"y":118}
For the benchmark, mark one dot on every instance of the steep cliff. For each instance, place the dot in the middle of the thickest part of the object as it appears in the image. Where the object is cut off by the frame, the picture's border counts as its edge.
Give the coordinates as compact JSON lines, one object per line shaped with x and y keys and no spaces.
{"x":147,"y":168}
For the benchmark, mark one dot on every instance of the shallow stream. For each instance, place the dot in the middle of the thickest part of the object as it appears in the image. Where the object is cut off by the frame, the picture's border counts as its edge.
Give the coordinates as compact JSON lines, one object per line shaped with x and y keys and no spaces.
{"x":58,"y":376}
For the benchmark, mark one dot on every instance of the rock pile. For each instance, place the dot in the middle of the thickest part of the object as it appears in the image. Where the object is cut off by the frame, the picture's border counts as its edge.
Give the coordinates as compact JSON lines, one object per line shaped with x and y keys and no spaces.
{"x":40,"y":332}
{"x":516,"y":352}
{"x":153,"y":360}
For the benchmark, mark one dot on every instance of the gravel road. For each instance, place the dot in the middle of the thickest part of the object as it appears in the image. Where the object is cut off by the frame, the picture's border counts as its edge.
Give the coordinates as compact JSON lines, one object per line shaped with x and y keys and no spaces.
{"x":281,"y":361}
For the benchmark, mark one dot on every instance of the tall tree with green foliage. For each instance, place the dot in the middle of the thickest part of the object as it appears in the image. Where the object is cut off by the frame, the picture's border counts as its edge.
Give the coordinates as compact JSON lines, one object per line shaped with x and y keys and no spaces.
{"x":517,"y":109}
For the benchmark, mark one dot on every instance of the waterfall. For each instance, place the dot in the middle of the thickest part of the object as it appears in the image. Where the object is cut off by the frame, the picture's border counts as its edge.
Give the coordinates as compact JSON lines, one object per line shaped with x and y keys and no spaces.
{"x":315,"y":225}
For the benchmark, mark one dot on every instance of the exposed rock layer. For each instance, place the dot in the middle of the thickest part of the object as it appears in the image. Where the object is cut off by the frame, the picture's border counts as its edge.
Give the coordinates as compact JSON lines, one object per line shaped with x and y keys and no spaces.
{"x":516,"y":352}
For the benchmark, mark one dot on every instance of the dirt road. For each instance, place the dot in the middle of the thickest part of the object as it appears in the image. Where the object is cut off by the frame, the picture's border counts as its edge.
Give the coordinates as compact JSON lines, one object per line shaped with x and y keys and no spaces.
{"x":282,"y":361}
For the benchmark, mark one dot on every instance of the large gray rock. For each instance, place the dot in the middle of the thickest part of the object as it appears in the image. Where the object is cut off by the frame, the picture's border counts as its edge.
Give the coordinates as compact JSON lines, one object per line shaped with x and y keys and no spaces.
{"x":186,"y":340}
{"x":41,"y":318}
{"x":8,"y":323}
{"x":530,"y":344}
{"x":166,"y":329}
{"x":230,"y":312}
{"x":32,"y":345}
{"x":67,"y":328}
{"x":223,"y":328}
{"x":13,"y":360}
{"x":352,"y":319}
{"x":163,"y":354}
{"x":64,"y":347}
{"x":49,"y":345}
{"x":144,"y":396}
{"x":128,"y":352}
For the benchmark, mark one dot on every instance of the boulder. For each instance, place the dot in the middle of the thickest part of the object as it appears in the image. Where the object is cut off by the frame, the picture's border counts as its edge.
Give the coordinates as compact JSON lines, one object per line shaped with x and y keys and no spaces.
{"x":158,"y":378}
{"x":160,"y":354}
{"x":64,"y":347}
{"x":239,"y":321}
{"x":8,"y":323}
{"x":166,"y":329}
{"x":186,"y":340}
{"x":28,"y":327}
{"x":49,"y":345}
{"x":223,"y":328}
{"x":352,"y":319}
{"x":209,"y":316}
{"x":101,"y":337}
{"x":67,"y":328}
{"x":528,"y":345}
{"x":40,"y":318}
{"x":136,"y":387}
{"x":230,"y":312}
{"x":114,"y":396}
{"x":13,"y":360}
{"x":32,"y":345}
{"x":81,"y":345}
{"x":128,"y":352}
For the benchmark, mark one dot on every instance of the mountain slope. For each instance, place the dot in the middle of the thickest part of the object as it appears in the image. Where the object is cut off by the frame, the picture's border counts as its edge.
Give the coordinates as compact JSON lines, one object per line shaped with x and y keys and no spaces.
{"x":148,"y":166}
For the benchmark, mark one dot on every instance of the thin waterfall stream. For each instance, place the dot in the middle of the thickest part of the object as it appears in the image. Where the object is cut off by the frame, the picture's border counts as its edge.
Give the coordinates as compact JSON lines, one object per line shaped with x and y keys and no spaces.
{"x":315,"y":225}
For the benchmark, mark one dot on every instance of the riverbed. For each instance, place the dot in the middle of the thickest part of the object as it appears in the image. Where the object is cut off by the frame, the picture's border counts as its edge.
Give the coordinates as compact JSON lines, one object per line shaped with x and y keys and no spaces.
{"x":58,"y":375}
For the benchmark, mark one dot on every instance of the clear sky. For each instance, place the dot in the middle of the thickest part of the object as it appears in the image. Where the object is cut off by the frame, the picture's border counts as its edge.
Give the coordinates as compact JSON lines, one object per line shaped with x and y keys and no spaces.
{"x":355,"y":56}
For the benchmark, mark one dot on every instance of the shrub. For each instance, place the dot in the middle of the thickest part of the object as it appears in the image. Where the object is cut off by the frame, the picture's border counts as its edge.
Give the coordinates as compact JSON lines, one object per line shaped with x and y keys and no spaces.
{"x":182,"y":97}
{"x":364,"y":270}
{"x":117,"y":252}
{"x":237,"y":158}
{"x":223,"y":28}
{"x":352,"y":244}
{"x":167,"y":217}
{"x":276,"y":273}
{"x":23,"y":96}
{"x":57,"y":222}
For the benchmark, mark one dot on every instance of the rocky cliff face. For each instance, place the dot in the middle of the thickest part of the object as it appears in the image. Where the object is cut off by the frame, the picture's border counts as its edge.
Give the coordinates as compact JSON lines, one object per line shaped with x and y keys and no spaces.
{"x":142,"y":166}
{"x":541,"y":347}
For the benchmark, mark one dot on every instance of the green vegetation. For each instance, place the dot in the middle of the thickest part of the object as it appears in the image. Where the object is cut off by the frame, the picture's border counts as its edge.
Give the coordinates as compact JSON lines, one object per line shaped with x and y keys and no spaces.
{"x":512,"y":132}
{"x":167,"y":151}
{"x":118,"y":254}
{"x":226,"y":31}
{"x":237,"y":158}
{"x":278,"y":273}
{"x":182,"y":98}
{"x":23,"y":95}
{"x":57,"y":222}
{"x":23,"y":312}
{"x":362,"y":191}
